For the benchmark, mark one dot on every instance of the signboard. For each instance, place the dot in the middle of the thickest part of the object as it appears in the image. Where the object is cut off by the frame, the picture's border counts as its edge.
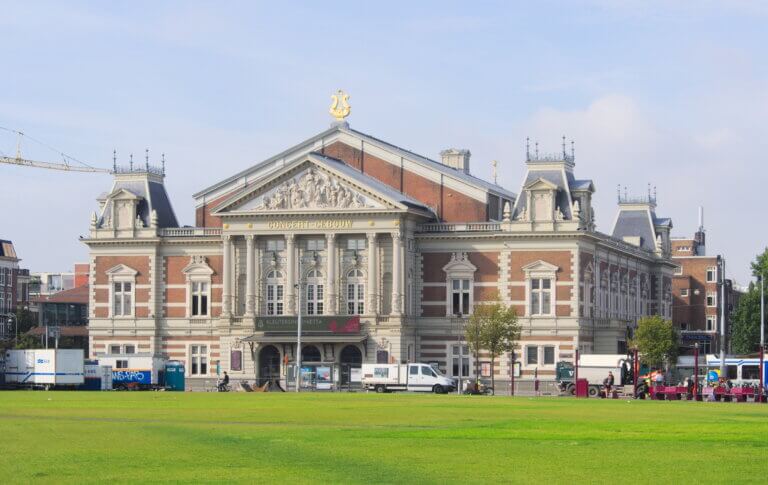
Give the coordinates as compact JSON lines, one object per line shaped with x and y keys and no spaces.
{"x":236,"y":360}
{"x":696,"y":337}
{"x":355,"y":374}
{"x":310,"y":324}
{"x":324,"y":378}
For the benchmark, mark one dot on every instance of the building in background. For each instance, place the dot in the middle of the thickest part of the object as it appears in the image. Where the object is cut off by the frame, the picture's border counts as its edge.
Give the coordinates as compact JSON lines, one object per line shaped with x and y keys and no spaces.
{"x":64,"y":315}
{"x":383,"y":251}
{"x":697,"y":292}
{"x":14,"y":288}
{"x":43,"y":284}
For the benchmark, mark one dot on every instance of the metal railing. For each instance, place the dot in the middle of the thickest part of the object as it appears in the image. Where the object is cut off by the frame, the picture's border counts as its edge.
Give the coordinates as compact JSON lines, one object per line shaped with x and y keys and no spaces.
{"x":460,"y":227}
{"x":189,"y":231}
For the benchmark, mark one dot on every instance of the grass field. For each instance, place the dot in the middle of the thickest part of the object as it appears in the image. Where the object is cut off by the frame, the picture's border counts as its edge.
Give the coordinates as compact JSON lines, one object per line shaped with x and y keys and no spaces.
{"x":354,"y":438}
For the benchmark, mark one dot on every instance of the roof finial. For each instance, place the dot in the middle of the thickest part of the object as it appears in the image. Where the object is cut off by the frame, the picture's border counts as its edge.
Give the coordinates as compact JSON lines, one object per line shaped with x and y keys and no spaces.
{"x":494,"y":164}
{"x":625,"y":191}
{"x":114,"y":160}
{"x":537,"y":150}
{"x":618,"y":192}
{"x":654,"y":193}
{"x":565,"y":155}
{"x":131,"y":162}
{"x":146,"y":158}
{"x":162,"y":161}
{"x":340,"y":112}
{"x":649,"y":191}
{"x":527,"y":149}
{"x":573,"y":153}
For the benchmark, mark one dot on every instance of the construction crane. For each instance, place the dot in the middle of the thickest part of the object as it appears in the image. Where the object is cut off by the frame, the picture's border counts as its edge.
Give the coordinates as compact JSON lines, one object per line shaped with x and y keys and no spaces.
{"x":65,"y":166}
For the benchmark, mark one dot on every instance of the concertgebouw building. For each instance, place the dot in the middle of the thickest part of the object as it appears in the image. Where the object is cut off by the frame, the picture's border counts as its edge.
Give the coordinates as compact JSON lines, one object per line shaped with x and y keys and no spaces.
{"x":383,"y":251}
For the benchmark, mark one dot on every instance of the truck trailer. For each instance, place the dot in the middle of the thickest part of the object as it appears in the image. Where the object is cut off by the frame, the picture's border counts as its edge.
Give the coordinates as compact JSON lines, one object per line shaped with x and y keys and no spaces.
{"x":46,"y":368}
{"x":134,"y":371}
{"x":594,"y":368}
{"x":405,"y":377}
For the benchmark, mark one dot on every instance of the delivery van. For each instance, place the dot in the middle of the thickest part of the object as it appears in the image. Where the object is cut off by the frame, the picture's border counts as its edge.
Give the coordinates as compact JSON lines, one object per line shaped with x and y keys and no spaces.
{"x":405,"y":377}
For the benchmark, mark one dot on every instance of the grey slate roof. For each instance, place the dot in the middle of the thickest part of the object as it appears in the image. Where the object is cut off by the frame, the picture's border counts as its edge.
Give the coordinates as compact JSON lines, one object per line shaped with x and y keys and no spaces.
{"x":634,"y":223}
{"x":152,"y":197}
{"x":555,"y":177}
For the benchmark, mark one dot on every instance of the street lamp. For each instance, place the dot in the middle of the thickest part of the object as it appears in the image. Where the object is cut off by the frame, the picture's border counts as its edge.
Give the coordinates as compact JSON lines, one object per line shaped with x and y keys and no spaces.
{"x":460,"y":355}
{"x":16,"y":324}
{"x":297,"y":287}
{"x":761,"y":279}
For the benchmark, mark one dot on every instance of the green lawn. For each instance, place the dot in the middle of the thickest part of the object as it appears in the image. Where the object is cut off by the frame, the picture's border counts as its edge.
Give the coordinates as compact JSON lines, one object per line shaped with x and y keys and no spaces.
{"x":355,"y":438}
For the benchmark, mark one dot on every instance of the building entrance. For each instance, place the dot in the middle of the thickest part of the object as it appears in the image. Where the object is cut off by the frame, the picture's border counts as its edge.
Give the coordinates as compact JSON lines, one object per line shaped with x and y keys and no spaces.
{"x":269,"y":365}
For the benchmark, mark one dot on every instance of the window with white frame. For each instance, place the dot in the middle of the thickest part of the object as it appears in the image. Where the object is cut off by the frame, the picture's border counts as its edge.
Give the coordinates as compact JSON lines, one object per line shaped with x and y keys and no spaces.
{"x":200,"y":298}
{"x":678,"y":270}
{"x":356,"y":244}
{"x":198,"y":360}
{"x":711,"y":323}
{"x":712,"y":299}
{"x":121,"y":364}
{"x":122,"y":299}
{"x":275,"y":244}
{"x":684,"y":292}
{"x":548,"y":356}
{"x":129,"y":349}
{"x":460,"y":292}
{"x":315,"y":244}
{"x":355,"y":292}
{"x":115,"y":349}
{"x":315,"y":293}
{"x":712,"y":274}
{"x":541,"y":296}
{"x":531,"y":355}
{"x":460,"y":359}
{"x":274,"y":293}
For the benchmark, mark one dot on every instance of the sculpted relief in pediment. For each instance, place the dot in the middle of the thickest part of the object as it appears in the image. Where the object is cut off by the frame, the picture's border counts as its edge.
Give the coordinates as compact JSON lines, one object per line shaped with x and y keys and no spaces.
{"x":311,"y":189}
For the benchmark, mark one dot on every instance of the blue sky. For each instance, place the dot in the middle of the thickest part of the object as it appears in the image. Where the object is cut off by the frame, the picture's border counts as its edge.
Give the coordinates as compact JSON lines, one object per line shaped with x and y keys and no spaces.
{"x":668,"y":93}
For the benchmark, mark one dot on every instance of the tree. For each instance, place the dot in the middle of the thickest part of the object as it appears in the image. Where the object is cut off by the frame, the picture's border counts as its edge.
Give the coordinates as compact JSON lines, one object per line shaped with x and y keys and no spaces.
{"x":500,"y":331}
{"x":745,"y":325}
{"x":27,"y":341}
{"x":26,"y":320}
{"x":474,"y":334}
{"x":656,"y":340}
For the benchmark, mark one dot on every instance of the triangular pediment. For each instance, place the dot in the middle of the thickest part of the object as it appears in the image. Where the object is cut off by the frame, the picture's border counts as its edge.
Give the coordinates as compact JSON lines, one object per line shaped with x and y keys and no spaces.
{"x":540,"y":267}
{"x":313,"y":184}
{"x":123,"y":194}
{"x":541,"y":184}
{"x":121,"y":270}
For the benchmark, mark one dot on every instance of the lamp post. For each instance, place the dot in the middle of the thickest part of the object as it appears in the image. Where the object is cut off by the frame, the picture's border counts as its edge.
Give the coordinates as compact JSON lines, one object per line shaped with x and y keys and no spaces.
{"x":722,"y":317}
{"x":16,"y":324}
{"x":762,"y":336}
{"x":297,"y":287}
{"x":457,"y":315}
{"x":695,"y":371}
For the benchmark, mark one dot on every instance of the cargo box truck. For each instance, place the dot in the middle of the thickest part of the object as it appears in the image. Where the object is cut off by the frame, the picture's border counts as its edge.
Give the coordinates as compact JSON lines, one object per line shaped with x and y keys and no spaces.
{"x":46,"y":368}
{"x":405,"y":377}
{"x":134,"y":371}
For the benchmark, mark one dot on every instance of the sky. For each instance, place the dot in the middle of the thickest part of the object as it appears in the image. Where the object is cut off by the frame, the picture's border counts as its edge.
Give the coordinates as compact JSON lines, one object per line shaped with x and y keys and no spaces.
{"x":668,"y":93}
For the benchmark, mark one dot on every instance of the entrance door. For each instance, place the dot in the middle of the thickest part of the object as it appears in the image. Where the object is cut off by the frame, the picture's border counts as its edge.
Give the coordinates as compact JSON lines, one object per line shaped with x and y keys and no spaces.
{"x":269,"y":364}
{"x":350,"y":358}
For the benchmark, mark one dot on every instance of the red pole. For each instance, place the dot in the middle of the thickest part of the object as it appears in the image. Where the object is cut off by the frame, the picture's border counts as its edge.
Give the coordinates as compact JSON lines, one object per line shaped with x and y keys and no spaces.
{"x":512,"y":376}
{"x":635,"y":369}
{"x":762,"y":377}
{"x":695,"y":371}
{"x":576,"y":372}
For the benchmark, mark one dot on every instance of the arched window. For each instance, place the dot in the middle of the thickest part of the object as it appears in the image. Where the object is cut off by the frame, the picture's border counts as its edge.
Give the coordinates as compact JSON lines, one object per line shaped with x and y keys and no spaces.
{"x":274,"y":292}
{"x":355,"y":292}
{"x":310,"y":353}
{"x":315,"y":293}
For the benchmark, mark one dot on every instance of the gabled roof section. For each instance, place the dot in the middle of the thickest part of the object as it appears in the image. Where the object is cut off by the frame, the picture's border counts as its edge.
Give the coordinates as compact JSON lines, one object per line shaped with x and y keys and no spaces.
{"x":149,"y":189}
{"x":318,"y":142}
{"x":636,"y":223}
{"x":557,"y":179}
{"x":318,"y":182}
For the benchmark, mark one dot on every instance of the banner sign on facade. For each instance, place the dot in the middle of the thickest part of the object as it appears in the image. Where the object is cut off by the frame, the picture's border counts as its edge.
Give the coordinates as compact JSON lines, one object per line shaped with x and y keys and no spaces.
{"x":310,"y":324}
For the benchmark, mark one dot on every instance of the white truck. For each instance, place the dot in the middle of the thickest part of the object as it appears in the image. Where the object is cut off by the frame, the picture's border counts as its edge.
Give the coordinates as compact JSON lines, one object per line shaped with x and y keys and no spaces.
{"x":594,"y":368}
{"x":134,"y":371}
{"x":44,"y":367}
{"x":405,"y":377}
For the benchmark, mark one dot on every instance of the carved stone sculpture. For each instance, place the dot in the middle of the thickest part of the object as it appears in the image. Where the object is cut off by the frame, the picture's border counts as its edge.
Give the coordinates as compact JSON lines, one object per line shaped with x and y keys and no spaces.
{"x":313,"y":190}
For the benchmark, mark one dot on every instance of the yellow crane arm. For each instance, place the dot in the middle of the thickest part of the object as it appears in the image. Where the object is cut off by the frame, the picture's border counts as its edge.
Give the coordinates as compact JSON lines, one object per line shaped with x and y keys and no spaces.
{"x":50,"y":165}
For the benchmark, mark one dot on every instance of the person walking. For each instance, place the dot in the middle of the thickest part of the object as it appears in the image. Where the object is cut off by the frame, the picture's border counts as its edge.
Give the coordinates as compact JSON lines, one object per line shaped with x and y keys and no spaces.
{"x":608,"y":384}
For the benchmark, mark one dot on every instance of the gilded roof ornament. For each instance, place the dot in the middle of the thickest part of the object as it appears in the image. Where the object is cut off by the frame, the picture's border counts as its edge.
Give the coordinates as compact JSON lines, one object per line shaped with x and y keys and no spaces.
{"x":340,"y":107}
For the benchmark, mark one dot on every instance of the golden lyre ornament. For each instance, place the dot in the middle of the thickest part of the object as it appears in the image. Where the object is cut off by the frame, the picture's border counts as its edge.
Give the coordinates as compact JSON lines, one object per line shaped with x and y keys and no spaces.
{"x":340,"y":112}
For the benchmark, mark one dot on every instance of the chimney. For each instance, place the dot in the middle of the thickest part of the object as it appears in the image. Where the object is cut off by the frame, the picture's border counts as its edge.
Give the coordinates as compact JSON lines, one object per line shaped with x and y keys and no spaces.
{"x":456,"y":158}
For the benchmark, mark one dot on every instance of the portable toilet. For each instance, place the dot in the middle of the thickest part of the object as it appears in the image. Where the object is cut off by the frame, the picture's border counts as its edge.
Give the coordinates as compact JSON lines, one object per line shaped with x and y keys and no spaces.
{"x":174,"y":375}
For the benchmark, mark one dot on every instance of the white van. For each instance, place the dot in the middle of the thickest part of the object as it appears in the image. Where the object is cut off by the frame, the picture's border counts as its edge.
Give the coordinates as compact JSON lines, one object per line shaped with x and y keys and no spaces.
{"x":405,"y":377}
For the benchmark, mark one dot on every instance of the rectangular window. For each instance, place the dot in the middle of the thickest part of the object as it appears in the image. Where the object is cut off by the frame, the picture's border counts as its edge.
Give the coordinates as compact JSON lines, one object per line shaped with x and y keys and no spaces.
{"x":460,"y":357}
{"x":121,"y":364}
{"x":356,"y":244}
{"x":315,"y":244}
{"x":315,"y":295}
{"x":355,"y":298}
{"x":121,"y":299}
{"x":199,"y":299}
{"x":711,"y":299}
{"x":275,"y":244}
{"x":750,"y":372}
{"x":711,"y":323}
{"x":414,"y":370}
{"x":541,"y":296}
{"x":114,"y":349}
{"x":712,"y":274}
{"x":460,"y":297}
{"x":130,"y":349}
{"x":678,"y":270}
{"x":531,"y":355}
{"x":549,"y":355}
{"x":684,"y":292}
{"x":274,"y":299}
{"x":199,"y":360}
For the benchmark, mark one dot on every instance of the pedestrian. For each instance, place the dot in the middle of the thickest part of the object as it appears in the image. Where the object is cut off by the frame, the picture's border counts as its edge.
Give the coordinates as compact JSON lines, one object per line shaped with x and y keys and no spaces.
{"x":608,"y":383}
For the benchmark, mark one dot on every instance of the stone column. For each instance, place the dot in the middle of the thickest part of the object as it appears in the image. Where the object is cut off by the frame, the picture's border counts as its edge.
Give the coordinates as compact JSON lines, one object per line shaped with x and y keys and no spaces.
{"x":397,"y":273}
{"x":373,"y":277}
{"x":258,"y":287}
{"x":249,"y":276}
{"x":290,"y":274}
{"x":226,"y":298}
{"x":330,"y":270}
